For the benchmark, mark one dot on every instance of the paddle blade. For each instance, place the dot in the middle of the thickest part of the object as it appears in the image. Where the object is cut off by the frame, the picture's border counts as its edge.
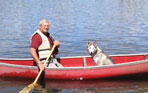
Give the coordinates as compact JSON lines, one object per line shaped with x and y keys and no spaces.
{"x":28,"y":88}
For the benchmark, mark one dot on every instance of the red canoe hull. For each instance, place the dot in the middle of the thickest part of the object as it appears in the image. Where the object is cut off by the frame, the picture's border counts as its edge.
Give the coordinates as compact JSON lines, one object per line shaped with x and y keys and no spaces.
{"x":74,"y":68}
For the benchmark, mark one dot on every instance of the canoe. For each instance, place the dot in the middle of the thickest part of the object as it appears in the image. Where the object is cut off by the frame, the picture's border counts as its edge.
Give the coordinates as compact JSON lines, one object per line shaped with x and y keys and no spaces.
{"x":78,"y":67}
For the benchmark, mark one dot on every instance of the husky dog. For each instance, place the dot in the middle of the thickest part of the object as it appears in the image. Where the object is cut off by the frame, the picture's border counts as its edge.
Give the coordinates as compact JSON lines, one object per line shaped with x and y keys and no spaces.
{"x":99,"y":57}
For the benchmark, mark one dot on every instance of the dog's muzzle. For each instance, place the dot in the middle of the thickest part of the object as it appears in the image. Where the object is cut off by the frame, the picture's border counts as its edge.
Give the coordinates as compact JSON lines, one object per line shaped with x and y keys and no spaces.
{"x":91,"y":53}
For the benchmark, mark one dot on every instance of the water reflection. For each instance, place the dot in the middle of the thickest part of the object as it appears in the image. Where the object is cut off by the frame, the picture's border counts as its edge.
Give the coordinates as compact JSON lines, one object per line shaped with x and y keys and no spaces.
{"x":70,"y":86}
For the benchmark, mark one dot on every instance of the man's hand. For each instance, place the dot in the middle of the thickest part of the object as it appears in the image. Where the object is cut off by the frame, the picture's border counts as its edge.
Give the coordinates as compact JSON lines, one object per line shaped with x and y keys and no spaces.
{"x":41,"y":66}
{"x":57,"y":43}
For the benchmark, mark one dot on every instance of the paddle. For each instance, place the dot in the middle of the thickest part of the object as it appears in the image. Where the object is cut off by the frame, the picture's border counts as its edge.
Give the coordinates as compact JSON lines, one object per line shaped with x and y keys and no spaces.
{"x":31,"y":86}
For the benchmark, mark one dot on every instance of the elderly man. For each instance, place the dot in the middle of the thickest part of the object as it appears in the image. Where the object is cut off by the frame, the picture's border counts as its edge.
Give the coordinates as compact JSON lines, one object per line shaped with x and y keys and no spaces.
{"x":41,"y":44}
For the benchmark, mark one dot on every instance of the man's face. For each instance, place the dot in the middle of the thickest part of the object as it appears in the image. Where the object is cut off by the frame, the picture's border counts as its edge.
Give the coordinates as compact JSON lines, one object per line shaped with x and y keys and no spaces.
{"x":44,"y":27}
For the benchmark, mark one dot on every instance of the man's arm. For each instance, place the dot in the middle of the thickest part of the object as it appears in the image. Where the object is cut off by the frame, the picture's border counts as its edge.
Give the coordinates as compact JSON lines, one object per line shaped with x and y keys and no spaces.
{"x":36,"y":58}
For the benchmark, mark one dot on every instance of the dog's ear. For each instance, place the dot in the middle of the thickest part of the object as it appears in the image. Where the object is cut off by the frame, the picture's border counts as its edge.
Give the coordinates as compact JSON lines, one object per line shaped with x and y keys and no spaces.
{"x":88,"y":43}
{"x":95,"y":43}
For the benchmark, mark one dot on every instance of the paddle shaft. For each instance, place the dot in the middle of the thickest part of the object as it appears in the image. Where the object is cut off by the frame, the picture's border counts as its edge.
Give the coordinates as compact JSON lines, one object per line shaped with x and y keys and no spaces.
{"x":46,"y":61}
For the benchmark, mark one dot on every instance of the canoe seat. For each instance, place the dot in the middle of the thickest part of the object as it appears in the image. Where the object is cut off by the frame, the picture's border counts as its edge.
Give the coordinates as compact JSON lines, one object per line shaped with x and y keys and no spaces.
{"x":84,"y":62}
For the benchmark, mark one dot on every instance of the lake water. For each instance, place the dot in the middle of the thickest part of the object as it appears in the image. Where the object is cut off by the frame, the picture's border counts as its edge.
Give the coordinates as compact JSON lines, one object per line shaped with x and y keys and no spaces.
{"x":119,"y":26}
